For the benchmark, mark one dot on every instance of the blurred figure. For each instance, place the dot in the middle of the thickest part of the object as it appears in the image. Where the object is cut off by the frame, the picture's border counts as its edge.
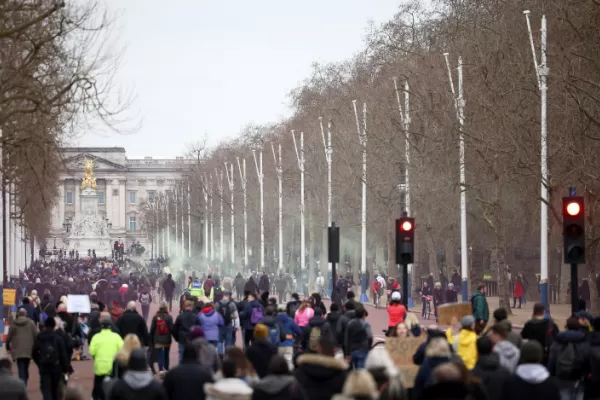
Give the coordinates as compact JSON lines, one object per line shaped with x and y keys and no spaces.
{"x":137,"y":383}
{"x":11,"y":387}
{"x":20,"y":341}
{"x":359,"y":385}
{"x":188,"y":377}
{"x":531,"y":379}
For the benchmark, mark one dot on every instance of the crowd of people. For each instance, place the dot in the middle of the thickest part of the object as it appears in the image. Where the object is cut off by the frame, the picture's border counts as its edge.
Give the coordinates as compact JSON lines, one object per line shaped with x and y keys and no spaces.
{"x":298,"y":349}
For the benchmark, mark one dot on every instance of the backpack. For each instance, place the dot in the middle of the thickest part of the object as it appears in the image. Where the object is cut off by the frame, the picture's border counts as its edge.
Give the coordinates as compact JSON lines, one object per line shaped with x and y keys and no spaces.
{"x":145,"y":299}
{"x":314,"y":338}
{"x":43,"y":315}
{"x":225,"y":312}
{"x":274,"y":334}
{"x":161,"y":326}
{"x":256,"y":316}
{"x":361,"y":333}
{"x":568,"y":361}
{"x":49,"y":354}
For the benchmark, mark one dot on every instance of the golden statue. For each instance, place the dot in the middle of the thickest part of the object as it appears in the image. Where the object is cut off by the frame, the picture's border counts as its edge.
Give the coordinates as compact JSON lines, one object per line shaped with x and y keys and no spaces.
{"x":89,"y":180}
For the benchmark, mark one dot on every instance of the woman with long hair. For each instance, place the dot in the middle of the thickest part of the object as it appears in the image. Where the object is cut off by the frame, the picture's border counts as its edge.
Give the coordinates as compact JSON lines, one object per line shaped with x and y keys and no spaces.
{"x":130,"y":343}
{"x":303,"y":314}
{"x":244,"y":368}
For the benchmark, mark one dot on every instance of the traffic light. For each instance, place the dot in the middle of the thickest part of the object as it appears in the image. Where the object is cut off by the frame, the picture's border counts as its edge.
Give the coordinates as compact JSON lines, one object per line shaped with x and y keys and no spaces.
{"x":574,"y":230}
{"x":405,"y":240}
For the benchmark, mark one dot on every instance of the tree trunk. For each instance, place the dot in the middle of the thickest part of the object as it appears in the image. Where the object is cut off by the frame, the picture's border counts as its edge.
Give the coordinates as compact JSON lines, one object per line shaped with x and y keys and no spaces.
{"x":392,"y":269}
{"x":591,"y":253}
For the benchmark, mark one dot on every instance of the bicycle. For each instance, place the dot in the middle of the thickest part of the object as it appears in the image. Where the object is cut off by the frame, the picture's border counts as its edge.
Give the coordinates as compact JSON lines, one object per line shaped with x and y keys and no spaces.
{"x":427,"y":300}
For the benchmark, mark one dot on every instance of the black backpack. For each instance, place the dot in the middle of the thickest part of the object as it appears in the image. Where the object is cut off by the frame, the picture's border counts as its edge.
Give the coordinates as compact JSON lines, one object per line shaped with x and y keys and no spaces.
{"x":49,"y":353}
{"x":568,"y":361}
{"x":225,"y":312}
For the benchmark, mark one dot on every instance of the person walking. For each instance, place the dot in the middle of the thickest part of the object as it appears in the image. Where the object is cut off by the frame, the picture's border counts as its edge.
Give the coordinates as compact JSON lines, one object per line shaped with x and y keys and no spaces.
{"x":161,"y":331}
{"x":481,"y":311}
{"x":132,"y":322}
{"x":145,"y":300}
{"x":20,"y":341}
{"x":50,"y":355}
{"x":103,"y":348}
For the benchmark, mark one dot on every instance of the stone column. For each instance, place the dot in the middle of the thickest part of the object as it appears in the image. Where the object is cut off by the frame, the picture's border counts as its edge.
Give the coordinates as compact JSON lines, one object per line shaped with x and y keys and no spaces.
{"x":108,"y":201}
{"x":122,"y":204}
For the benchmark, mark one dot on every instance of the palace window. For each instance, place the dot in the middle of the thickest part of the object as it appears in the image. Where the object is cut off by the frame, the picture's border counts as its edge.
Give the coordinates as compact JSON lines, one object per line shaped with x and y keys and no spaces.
{"x":132,"y":224}
{"x":69,"y":197}
{"x":132,"y":196}
{"x":101,"y":197}
{"x":150,"y":195}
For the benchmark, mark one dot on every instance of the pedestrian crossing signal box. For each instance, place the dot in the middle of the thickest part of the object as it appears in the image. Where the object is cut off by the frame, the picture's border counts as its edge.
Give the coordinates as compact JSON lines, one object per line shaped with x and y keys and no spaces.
{"x":405,"y":240}
{"x":574,"y":230}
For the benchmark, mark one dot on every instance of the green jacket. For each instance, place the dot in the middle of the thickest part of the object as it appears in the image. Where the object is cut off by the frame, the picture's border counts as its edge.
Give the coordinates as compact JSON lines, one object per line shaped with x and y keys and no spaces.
{"x":104,"y":347}
{"x":480,"y":307}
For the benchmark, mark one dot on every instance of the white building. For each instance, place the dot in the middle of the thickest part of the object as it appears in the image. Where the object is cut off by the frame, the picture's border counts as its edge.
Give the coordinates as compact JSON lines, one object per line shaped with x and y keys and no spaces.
{"x":122,"y":184}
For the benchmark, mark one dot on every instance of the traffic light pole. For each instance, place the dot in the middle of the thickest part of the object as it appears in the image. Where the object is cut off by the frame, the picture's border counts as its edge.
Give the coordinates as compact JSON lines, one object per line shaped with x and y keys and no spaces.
{"x":405,"y":285}
{"x":574,"y":289}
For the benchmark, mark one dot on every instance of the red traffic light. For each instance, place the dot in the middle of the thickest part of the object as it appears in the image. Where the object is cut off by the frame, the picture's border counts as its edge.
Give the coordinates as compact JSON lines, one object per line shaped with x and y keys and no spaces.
{"x":573,"y":208}
{"x":406,"y":226}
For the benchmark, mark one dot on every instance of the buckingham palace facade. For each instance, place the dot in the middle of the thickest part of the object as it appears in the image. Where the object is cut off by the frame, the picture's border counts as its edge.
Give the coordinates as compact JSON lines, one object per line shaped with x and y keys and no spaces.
{"x":122,"y":183}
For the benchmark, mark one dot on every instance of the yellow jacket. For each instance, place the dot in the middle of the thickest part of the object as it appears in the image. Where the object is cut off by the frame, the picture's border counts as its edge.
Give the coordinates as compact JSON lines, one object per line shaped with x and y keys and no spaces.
{"x":104,"y":347}
{"x":464,"y":345}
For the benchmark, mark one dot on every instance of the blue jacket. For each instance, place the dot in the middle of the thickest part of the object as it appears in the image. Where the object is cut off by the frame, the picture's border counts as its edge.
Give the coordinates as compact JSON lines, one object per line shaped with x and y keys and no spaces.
{"x":248,"y":325}
{"x":290,"y":328}
{"x":211,"y":321}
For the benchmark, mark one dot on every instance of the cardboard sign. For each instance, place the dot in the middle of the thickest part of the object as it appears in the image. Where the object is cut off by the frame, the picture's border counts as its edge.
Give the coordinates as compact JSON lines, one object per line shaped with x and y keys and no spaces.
{"x":9,"y":297}
{"x":78,"y":303}
{"x":401,"y":351}
{"x":447,"y":312}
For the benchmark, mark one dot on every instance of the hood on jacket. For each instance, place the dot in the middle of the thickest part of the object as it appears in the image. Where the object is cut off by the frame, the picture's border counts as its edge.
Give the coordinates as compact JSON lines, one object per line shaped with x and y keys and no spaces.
{"x":138,"y":379}
{"x":321,"y":368}
{"x":570,"y":337}
{"x":532,"y":373}
{"x":229,"y":389}
{"x":350,"y":314}
{"x":333,"y":316}
{"x":507,"y":350}
{"x":274,"y":384}
{"x":208,"y":310}
{"x":489,"y":362}
{"x":21,"y":320}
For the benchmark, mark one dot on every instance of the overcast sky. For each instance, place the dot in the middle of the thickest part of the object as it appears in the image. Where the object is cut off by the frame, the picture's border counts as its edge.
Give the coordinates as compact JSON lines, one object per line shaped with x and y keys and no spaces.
{"x":210,"y":67}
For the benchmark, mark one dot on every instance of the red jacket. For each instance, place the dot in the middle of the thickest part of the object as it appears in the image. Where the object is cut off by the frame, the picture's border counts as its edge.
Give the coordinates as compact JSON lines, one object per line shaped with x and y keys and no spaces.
{"x":518,"y":289}
{"x":396,"y":314}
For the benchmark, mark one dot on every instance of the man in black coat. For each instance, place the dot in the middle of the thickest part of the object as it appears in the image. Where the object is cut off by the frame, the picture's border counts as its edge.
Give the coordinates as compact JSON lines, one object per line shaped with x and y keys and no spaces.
{"x":494,"y":377}
{"x":132,"y":322}
{"x":188,"y":377}
{"x":50,"y":355}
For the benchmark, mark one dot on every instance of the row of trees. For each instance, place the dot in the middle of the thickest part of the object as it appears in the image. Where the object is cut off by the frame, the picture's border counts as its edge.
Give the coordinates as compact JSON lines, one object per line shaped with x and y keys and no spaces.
{"x":55,"y":76}
{"x":502,"y":141}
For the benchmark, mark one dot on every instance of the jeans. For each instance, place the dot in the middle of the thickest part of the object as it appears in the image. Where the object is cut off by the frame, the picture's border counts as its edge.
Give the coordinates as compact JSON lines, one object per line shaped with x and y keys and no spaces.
{"x":181,"y":347}
{"x":49,"y":385}
{"x":358,"y":358}
{"x":23,"y":369}
{"x":162,"y":357}
{"x":226,"y":339}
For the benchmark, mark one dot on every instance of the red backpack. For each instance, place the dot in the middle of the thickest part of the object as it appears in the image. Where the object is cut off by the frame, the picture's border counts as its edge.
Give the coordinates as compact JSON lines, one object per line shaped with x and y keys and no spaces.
{"x":161,"y":326}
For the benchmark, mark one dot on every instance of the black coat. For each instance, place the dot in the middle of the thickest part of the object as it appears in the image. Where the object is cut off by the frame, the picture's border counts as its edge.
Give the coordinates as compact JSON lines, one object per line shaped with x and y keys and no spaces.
{"x":186,"y":381}
{"x":276,"y":387}
{"x":493,"y":376}
{"x":46,"y":338}
{"x":183,"y":325}
{"x":320,"y":377}
{"x":520,"y":389}
{"x":132,"y":322}
{"x":260,"y":354}
{"x":122,"y":390}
